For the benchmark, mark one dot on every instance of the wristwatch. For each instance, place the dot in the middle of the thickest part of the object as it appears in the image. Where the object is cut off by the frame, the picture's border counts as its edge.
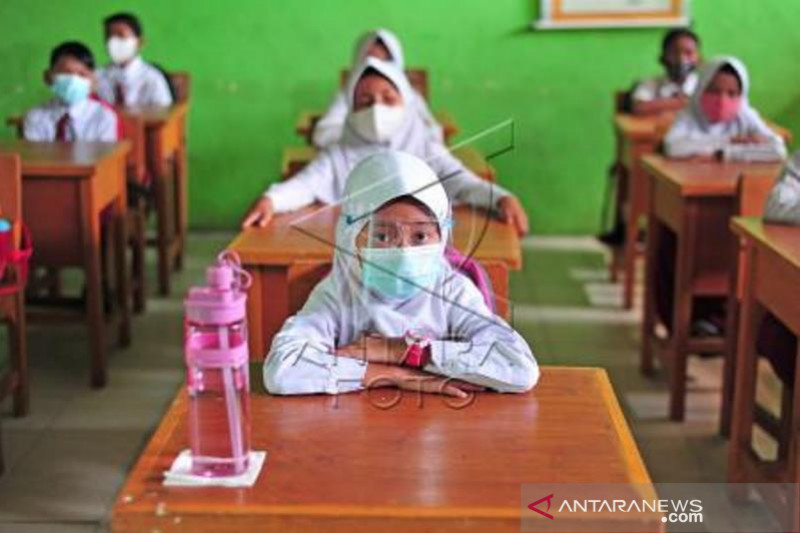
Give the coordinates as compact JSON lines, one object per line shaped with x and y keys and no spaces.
{"x":418,"y":351}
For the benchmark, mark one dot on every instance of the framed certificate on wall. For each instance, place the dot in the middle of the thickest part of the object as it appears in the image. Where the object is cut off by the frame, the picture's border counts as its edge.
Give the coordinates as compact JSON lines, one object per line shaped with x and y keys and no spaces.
{"x":565,"y":14}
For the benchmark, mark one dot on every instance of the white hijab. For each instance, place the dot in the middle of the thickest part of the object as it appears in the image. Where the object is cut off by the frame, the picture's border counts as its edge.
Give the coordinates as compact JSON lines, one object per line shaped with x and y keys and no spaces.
{"x":376,"y":180}
{"x":746,"y":113}
{"x":385,"y":37}
{"x":412,"y":136}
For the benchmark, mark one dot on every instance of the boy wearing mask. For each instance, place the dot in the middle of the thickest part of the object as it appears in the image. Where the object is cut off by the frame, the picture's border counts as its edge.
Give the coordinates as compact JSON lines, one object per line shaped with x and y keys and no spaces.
{"x":680,"y":55}
{"x":72,"y":115}
{"x":129,"y":80}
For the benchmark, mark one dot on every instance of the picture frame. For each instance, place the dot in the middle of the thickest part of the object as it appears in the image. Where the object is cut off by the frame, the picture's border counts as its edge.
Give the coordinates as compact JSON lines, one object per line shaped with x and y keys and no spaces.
{"x":577,"y":14}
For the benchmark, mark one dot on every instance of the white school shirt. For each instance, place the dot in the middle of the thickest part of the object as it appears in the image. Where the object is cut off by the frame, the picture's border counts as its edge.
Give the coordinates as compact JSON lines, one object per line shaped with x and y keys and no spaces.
{"x":692,"y":134}
{"x":324,"y":178}
{"x":468,"y":342}
{"x":142,"y":84}
{"x":664,"y":87}
{"x":90,"y":121}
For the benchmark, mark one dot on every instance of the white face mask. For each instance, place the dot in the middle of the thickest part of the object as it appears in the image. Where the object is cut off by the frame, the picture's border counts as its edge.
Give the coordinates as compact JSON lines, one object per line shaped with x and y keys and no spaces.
{"x":122,"y":49}
{"x":379,"y":122}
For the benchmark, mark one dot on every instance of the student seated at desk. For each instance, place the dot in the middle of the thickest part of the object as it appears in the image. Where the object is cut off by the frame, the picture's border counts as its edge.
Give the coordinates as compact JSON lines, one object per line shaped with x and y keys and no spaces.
{"x":379,"y":117}
{"x":719,"y":122}
{"x":392,"y":312}
{"x":384,"y":45}
{"x":73,"y":115}
{"x":680,"y":55}
{"x":129,"y":80}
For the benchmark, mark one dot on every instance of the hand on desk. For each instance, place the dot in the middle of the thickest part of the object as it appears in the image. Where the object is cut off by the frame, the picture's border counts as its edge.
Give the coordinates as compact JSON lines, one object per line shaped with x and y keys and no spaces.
{"x":385,"y":357}
{"x":259,"y":214}
{"x":511,"y":212}
{"x":410,"y":379}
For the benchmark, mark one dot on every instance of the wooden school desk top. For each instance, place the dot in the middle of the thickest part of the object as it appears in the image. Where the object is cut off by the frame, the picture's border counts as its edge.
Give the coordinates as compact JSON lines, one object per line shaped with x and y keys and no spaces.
{"x":343,"y":464}
{"x":693,"y":177}
{"x":77,"y":159}
{"x":784,"y":240}
{"x":645,"y":128}
{"x":309,"y":234}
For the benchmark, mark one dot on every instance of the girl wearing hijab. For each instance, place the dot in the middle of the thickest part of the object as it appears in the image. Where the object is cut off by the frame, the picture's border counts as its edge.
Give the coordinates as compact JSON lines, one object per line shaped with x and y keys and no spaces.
{"x":379,"y":118}
{"x":719,"y":121}
{"x":383,"y":45}
{"x":392,"y":312}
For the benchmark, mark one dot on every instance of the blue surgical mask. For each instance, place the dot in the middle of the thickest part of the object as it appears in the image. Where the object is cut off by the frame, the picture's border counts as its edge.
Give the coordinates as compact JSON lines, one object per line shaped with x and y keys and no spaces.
{"x":400,"y":273}
{"x":70,"y":88}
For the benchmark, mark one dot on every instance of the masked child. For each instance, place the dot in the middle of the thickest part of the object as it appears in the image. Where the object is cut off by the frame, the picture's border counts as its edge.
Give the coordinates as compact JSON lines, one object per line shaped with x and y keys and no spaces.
{"x":392,"y":312}
{"x":379,"y":117}
{"x":129,"y":80}
{"x":72,"y":115}
{"x":384,"y":45}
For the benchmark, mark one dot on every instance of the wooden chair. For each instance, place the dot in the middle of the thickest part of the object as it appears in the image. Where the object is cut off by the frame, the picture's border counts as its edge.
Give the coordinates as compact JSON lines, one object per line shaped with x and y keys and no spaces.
{"x":417,"y":77}
{"x":14,"y":380}
{"x":752,"y":192}
{"x":181,"y":83}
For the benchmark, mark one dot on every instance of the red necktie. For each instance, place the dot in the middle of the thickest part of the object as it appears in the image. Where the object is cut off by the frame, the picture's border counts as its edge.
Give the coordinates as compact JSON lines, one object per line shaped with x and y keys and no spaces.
{"x":119,"y":94}
{"x":63,"y":126}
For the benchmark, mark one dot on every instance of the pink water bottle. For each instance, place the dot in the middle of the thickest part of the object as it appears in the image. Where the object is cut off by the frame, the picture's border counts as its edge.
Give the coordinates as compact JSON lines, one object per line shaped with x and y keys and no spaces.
{"x":217,"y":370}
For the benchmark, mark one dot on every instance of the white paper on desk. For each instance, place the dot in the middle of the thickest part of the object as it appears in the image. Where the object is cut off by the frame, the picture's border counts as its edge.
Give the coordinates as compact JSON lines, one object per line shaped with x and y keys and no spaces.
{"x":180,"y":473}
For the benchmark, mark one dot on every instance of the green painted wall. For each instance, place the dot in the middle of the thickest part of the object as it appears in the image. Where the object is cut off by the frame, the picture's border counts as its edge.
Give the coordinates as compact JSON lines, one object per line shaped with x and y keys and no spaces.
{"x":257,"y":63}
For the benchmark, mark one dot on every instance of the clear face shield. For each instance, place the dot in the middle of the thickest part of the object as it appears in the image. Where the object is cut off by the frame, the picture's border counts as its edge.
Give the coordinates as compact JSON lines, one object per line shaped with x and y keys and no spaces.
{"x":400,"y":258}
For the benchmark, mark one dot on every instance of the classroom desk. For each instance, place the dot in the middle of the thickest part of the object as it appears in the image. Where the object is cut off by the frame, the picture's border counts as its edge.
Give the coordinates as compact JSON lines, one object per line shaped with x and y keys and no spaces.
{"x":65,"y":187}
{"x":695,"y":200}
{"x":771,"y":280}
{"x":165,"y":130}
{"x":637,"y":136}
{"x":286,"y":262}
{"x":296,"y":157}
{"x":339,"y":464}
{"x":304,"y":126}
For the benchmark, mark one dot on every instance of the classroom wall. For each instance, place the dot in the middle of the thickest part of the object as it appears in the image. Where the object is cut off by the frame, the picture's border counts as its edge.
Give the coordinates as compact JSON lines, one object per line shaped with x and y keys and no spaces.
{"x":256,"y":64}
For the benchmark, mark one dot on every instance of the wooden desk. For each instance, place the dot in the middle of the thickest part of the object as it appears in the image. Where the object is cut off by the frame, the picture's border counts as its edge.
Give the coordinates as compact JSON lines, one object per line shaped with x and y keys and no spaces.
{"x":695,"y":200}
{"x":342,"y":464}
{"x":771,"y":282}
{"x":296,"y":157}
{"x":65,"y":187}
{"x":307,"y":120}
{"x":166,"y":160}
{"x":637,"y":136}
{"x":287,"y":262}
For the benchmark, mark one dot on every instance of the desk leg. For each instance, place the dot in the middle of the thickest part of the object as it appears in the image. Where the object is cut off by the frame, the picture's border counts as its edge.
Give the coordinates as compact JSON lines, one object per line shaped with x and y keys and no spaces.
{"x":651,"y":276}
{"x":121,"y":268}
{"x":163,"y":237}
{"x":637,"y":204}
{"x":744,"y":393}
{"x":181,"y":197}
{"x":19,"y":354}
{"x":738,"y":272}
{"x":682,"y":312}
{"x":90,"y":236}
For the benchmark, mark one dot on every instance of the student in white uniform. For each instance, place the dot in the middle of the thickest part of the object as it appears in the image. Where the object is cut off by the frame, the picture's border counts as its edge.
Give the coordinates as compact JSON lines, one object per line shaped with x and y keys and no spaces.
{"x":73,"y":115}
{"x":680,"y":55}
{"x":129,"y":80}
{"x":392,"y":312}
{"x":719,"y":122}
{"x":379,"y":118}
{"x":385,"y":45}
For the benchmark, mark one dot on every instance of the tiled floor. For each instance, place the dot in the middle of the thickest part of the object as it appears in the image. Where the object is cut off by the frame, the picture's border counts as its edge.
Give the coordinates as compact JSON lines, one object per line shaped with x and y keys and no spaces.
{"x":67,"y":459}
